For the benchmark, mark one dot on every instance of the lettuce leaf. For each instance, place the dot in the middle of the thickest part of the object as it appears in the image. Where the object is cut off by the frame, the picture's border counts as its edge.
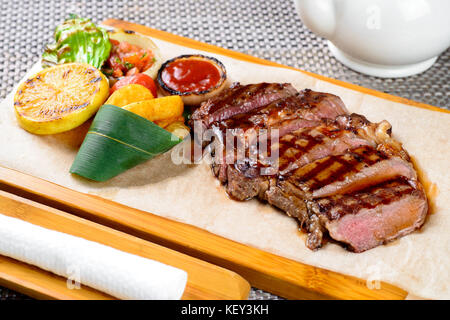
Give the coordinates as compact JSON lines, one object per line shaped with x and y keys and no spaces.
{"x":78,"y":40}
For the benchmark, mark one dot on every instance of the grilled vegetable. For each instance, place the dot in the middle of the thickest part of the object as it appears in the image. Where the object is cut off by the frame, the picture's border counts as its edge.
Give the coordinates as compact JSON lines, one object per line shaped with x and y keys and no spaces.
{"x":178,"y":128}
{"x":60,"y":98}
{"x":164,"y":123}
{"x":129,"y":94}
{"x":78,"y":40}
{"x":158,"y":109}
{"x":138,"y":99}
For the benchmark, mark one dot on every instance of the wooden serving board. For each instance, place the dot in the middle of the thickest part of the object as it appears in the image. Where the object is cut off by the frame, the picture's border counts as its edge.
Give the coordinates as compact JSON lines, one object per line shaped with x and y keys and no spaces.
{"x":264,"y":270}
{"x":205,"y":281}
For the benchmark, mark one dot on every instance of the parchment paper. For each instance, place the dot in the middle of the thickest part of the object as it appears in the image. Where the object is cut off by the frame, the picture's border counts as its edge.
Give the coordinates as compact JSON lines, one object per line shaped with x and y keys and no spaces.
{"x":419,"y":263}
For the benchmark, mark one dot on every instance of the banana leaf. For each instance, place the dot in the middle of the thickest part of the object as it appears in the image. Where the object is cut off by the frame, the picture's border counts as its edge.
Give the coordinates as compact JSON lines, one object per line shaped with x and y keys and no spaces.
{"x":117,"y":141}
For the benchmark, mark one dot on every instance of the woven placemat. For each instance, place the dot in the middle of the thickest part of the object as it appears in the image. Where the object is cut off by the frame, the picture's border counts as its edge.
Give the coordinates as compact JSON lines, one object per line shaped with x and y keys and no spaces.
{"x":267,"y":29}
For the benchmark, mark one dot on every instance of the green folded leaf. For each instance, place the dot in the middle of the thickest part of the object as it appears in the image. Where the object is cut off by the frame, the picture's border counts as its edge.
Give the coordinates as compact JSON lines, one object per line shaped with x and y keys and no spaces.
{"x":78,"y":40}
{"x":117,"y":141}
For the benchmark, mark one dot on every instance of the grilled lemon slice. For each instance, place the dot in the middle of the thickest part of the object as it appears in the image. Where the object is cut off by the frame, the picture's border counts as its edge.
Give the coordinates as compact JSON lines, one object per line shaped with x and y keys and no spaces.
{"x":60,"y":98}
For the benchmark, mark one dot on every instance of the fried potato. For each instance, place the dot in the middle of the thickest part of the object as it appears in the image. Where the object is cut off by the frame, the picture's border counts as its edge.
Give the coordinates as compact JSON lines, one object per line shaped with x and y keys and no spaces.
{"x":129,"y":94}
{"x":166,"y":122}
{"x":159,"y":109}
{"x":178,"y":128}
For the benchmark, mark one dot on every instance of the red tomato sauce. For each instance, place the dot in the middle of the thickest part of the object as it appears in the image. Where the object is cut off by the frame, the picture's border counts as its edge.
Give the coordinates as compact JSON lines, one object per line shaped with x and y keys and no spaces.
{"x":127,"y":59}
{"x":190,"y":75}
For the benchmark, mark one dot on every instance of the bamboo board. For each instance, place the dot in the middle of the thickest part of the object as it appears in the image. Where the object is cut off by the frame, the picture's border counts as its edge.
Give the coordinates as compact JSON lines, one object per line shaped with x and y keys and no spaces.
{"x":264,"y":270}
{"x":205,"y":281}
{"x":267,"y":271}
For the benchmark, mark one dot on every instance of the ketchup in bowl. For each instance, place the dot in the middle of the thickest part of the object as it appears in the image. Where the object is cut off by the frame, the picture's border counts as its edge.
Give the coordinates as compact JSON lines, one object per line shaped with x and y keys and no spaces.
{"x":190,"y":75}
{"x":193,"y":77}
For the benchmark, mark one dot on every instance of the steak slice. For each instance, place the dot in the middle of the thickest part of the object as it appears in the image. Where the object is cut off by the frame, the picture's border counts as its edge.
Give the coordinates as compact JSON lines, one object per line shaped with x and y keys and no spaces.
{"x":337,"y":174}
{"x":240,"y":99}
{"x":374,"y":216}
{"x":361,"y":220}
{"x":361,"y":171}
{"x":305,"y":145}
{"x":378,"y":133}
{"x":306,"y":105}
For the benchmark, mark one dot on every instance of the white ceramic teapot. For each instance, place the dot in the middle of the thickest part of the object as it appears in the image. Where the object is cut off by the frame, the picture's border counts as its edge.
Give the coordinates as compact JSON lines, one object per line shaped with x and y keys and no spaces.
{"x":384,"y":38}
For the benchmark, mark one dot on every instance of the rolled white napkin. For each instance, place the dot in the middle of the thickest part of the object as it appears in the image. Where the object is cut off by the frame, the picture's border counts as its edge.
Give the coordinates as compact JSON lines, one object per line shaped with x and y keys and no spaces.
{"x":120,"y":274}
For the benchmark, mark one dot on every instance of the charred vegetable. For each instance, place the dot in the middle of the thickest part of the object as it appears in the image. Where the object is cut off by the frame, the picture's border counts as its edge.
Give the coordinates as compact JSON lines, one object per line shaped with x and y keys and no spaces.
{"x":60,"y":98}
{"x":78,"y":40}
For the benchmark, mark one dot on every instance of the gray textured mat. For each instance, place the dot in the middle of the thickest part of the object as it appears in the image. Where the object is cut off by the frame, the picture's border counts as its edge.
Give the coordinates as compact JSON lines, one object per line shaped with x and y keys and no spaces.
{"x":268,"y":29}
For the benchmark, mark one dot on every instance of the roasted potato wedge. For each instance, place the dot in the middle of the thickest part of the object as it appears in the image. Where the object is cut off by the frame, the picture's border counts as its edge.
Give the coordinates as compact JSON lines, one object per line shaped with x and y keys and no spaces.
{"x":178,"y":128}
{"x":159,"y":109}
{"x":128,"y":94}
{"x":165,"y":122}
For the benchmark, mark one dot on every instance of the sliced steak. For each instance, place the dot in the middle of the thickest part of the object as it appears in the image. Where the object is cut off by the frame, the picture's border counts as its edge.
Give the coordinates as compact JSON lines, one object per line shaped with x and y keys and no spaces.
{"x":297,"y":112}
{"x":338,"y":174}
{"x":302,"y":147}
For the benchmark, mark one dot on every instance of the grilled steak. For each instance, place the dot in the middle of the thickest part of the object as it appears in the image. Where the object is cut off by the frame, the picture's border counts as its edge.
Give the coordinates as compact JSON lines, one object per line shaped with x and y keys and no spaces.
{"x":337,"y":173}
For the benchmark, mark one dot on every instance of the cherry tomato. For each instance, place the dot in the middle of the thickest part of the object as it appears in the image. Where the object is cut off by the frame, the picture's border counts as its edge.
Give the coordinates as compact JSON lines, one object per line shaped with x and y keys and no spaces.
{"x":139,"y":78}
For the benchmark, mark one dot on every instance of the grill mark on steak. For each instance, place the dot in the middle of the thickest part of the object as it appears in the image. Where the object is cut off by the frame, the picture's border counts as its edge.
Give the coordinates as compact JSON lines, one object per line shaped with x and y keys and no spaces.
{"x":339,"y":174}
{"x":356,"y":169}
{"x":285,"y":115}
{"x":308,"y":145}
{"x":336,"y":206}
{"x":370,"y":175}
{"x":336,"y":167}
{"x":390,"y":211}
{"x":304,"y":105}
{"x":240,"y":100}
